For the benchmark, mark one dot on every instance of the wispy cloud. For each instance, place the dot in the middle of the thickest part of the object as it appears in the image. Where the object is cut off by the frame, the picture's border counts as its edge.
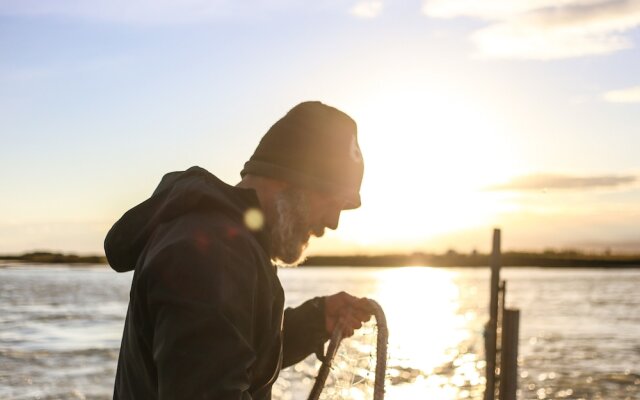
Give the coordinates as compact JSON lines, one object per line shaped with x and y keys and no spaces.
{"x":141,"y":11}
{"x":25,"y":74}
{"x":133,"y":11}
{"x":484,"y":9}
{"x":367,"y":9}
{"x":159,"y":12}
{"x":545,"y":29}
{"x":629,"y":95}
{"x":557,"y":181}
{"x":103,"y":65}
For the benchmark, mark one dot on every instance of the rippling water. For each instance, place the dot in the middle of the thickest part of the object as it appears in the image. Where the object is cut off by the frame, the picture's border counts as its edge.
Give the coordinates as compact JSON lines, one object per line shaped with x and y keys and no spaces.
{"x":60,"y":330}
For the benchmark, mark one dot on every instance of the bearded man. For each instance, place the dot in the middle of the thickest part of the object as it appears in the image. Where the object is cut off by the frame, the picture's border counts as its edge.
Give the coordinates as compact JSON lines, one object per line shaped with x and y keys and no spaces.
{"x":205,"y":317}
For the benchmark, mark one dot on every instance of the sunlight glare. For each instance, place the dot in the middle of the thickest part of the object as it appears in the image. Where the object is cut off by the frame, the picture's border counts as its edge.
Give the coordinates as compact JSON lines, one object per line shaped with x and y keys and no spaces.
{"x":421,"y":305}
{"x":429,"y":156}
{"x":427,"y":331}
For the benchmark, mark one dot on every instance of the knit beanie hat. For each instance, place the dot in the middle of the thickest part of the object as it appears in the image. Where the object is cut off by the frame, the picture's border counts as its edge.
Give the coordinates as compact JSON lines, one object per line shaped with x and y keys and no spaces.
{"x":314,"y":146}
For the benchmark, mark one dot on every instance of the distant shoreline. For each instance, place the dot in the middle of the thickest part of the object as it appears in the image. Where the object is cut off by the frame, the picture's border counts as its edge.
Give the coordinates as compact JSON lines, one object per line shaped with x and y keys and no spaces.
{"x":42,"y":257}
{"x":547,"y":259}
{"x":507,"y":259}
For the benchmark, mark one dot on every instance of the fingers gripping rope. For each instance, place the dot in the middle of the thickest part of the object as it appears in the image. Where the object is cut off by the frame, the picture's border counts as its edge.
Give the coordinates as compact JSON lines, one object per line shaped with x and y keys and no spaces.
{"x":381,"y":356}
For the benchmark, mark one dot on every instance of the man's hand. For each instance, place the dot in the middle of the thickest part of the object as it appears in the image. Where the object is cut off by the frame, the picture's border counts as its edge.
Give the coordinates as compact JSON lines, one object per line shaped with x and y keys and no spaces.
{"x":352,"y":311}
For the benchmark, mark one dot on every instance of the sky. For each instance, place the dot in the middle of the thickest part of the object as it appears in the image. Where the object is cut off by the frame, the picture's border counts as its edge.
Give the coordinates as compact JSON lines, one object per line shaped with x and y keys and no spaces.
{"x":471,"y":114}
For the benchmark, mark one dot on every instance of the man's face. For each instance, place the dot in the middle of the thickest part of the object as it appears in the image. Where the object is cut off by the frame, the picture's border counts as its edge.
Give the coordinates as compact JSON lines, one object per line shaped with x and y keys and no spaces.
{"x":301,"y":213}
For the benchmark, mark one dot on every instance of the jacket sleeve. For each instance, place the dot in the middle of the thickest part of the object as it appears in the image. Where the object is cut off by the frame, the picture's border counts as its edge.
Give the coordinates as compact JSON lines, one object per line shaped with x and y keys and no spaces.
{"x":201,"y":305}
{"x":304,"y":331}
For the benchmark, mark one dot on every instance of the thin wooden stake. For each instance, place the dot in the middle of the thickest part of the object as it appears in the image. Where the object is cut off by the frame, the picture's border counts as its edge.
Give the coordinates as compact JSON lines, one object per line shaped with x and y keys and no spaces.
{"x":509,"y":356}
{"x":492,"y":325}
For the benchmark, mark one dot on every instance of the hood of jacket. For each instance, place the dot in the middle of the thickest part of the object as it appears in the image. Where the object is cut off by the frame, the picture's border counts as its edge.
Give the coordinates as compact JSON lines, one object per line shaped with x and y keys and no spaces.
{"x":179,"y":193}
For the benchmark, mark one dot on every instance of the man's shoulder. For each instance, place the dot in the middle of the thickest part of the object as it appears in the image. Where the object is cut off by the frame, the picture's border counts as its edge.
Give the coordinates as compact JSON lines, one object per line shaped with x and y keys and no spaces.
{"x":201,"y":256}
{"x":212,"y":240}
{"x":208,"y":232}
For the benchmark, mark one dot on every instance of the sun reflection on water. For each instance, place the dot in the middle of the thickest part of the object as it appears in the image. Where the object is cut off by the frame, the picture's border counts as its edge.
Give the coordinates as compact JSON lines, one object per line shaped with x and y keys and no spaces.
{"x":435,"y":318}
{"x":432,"y":346}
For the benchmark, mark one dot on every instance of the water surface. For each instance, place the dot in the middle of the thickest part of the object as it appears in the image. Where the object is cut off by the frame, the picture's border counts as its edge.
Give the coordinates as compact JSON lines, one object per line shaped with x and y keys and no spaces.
{"x":60,"y":330}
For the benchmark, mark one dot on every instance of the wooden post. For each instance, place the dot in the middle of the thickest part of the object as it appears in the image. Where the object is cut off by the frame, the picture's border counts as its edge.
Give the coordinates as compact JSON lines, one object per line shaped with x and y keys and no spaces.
{"x":509,"y":358}
{"x":492,"y":325}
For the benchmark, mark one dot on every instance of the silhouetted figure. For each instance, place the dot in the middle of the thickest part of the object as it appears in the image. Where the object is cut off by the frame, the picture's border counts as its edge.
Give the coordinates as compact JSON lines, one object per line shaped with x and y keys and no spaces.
{"x":205,"y":317}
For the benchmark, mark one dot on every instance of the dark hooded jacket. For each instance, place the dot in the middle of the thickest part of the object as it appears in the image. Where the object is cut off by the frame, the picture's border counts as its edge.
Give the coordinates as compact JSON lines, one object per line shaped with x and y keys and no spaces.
{"x":205,"y":317}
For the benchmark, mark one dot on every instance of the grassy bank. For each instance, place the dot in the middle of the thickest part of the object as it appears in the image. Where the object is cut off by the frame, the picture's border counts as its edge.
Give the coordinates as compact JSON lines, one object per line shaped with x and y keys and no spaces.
{"x":42,"y":257}
{"x":569,"y":259}
{"x":551,"y":259}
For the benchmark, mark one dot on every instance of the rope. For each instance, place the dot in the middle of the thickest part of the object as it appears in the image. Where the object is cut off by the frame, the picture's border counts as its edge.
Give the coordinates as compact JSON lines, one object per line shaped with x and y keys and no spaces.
{"x":381,"y":356}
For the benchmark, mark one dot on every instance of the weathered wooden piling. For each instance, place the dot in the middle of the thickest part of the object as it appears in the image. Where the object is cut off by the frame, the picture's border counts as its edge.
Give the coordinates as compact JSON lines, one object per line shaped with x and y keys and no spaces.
{"x":491,"y":331}
{"x":509,"y":354}
{"x":503,"y":328}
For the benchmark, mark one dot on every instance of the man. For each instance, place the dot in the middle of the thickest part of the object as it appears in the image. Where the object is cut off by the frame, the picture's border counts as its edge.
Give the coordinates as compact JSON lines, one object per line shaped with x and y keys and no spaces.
{"x":205,"y":317}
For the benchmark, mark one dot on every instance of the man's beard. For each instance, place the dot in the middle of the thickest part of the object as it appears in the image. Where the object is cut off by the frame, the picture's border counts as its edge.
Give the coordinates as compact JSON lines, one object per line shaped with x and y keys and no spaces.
{"x":291,"y":231}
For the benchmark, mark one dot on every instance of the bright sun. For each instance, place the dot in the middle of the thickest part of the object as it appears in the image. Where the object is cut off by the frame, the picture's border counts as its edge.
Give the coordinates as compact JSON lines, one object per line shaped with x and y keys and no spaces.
{"x":428,"y":157}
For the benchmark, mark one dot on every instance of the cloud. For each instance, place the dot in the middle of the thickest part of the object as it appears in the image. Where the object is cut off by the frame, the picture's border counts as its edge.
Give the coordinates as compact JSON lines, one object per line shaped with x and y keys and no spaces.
{"x":25,"y":74}
{"x":158,"y":12}
{"x":128,"y":11}
{"x":555,"y":181}
{"x":545,"y":29}
{"x":483,"y":9}
{"x":161,"y":12}
{"x":629,"y":95}
{"x":367,"y":9}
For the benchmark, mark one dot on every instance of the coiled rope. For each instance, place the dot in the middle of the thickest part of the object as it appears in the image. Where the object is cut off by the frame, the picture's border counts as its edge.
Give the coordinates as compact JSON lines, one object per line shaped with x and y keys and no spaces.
{"x":381,"y":356}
